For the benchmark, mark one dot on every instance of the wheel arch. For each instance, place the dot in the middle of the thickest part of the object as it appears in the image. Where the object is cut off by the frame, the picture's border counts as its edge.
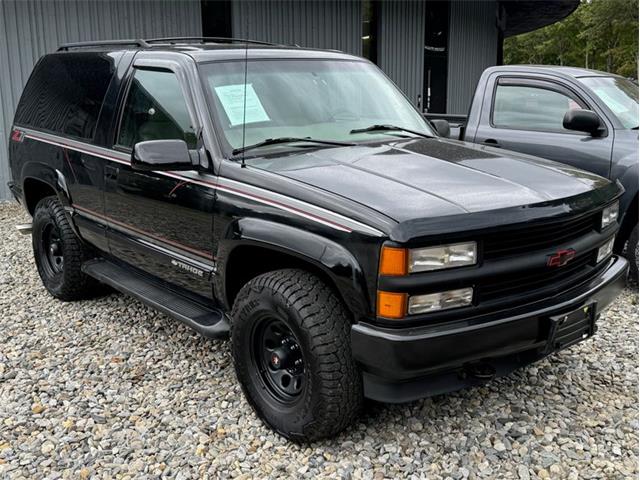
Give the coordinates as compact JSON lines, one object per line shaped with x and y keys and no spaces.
{"x":259,"y":246}
{"x":629,"y":220}
{"x":40,"y":180}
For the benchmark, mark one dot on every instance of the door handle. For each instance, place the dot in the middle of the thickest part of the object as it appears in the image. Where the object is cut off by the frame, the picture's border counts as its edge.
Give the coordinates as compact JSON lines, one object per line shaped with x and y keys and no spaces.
{"x":110,"y":172}
{"x":492,"y":142}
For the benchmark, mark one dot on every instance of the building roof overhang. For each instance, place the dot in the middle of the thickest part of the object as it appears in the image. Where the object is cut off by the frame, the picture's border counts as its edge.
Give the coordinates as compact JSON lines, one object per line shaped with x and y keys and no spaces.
{"x":524,"y":16}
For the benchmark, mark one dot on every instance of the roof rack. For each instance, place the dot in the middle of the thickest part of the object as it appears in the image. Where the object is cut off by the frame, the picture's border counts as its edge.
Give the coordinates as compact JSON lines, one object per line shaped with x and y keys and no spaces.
{"x":175,"y":40}
{"x":102,"y":43}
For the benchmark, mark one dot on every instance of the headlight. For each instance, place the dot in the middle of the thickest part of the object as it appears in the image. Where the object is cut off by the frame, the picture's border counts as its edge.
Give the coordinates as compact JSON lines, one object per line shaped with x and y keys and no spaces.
{"x":609,"y":215}
{"x":605,"y":250}
{"x":440,"y":301}
{"x":442,"y":256}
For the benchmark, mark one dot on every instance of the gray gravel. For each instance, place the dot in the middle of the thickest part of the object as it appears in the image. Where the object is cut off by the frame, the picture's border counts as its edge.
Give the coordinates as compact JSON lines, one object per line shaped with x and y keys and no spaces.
{"x":111,"y":389}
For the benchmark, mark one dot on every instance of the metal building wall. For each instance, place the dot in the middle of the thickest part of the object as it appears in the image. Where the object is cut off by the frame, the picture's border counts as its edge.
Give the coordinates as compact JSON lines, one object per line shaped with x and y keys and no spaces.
{"x":31,"y":28}
{"x":332,"y":24}
{"x":401,"y":44}
{"x":473,"y":46}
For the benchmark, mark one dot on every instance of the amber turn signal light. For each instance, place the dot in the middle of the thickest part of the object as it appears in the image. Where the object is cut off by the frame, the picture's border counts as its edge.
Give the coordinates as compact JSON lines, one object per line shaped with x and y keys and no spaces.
{"x":392,"y":305}
{"x":393,"y":261}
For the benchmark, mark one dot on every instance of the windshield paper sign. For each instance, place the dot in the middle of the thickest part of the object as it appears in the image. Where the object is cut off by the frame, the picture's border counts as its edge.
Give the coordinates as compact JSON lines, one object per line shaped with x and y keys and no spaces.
{"x":233,"y":102}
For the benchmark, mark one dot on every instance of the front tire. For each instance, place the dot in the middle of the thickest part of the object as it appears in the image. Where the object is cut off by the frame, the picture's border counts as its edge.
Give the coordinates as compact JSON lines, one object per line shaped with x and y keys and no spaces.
{"x":291,"y":346}
{"x":59,"y":253}
{"x":632,"y":254}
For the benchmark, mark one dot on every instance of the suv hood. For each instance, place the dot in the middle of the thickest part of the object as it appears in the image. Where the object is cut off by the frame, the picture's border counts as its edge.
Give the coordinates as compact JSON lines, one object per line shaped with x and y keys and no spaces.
{"x":421,"y":178}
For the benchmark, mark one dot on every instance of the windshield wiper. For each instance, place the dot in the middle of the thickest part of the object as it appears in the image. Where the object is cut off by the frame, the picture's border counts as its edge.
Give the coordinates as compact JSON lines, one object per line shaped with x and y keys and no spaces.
{"x":276,"y":141}
{"x":389,"y":128}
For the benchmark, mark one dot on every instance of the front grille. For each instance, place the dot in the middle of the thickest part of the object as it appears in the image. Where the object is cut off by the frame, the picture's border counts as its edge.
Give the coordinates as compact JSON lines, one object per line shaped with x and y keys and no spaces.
{"x":537,"y":237}
{"x":539,"y":282}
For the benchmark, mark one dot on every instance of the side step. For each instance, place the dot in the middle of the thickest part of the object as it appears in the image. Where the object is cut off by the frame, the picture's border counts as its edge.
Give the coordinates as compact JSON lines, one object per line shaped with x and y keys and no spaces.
{"x":207,"y":321}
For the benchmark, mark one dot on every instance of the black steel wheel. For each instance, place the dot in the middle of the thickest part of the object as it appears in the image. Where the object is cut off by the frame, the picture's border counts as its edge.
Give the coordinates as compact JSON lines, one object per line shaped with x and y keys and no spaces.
{"x":59,"y":253}
{"x":291,"y":347}
{"x":53,"y":260}
{"x":277,"y":357}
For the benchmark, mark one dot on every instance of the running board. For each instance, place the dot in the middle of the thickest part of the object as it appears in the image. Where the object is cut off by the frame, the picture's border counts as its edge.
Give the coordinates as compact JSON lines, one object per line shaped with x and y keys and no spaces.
{"x":205,"y":320}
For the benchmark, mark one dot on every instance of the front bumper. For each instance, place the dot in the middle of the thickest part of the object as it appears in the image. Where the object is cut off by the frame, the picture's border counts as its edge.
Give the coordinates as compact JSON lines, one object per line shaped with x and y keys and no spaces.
{"x":401,"y":365}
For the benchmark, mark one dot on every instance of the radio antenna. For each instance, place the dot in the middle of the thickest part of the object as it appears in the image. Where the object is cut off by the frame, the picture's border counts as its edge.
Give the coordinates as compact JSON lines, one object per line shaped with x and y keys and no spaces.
{"x":244,"y":102}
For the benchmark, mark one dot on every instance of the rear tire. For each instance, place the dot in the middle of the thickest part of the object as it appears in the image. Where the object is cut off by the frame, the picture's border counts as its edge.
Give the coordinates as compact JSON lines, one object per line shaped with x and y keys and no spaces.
{"x":291,"y":346}
{"x":59,"y":253}
{"x":632,"y":254}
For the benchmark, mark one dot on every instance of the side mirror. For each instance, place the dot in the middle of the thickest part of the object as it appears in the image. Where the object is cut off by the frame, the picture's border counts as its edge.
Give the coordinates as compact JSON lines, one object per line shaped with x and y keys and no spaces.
{"x":442,"y":127}
{"x":582,"y":121}
{"x":161,"y":155}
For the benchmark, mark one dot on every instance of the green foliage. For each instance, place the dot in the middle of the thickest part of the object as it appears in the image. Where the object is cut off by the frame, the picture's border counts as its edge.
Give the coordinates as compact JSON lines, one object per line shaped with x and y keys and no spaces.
{"x":600,"y":34}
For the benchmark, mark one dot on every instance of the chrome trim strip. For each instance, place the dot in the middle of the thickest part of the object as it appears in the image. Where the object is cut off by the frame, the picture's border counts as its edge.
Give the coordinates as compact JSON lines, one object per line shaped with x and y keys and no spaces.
{"x":289,"y":204}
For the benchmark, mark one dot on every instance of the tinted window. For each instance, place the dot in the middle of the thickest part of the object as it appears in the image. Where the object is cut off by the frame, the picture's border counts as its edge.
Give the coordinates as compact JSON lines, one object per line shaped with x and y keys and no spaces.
{"x":155,"y":110}
{"x":65,"y":93}
{"x":531,"y":108}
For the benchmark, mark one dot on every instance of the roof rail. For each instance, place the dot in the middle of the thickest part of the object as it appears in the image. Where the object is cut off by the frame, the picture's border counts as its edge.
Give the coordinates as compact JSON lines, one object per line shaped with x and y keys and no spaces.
{"x":207,"y":40}
{"x":68,"y":46}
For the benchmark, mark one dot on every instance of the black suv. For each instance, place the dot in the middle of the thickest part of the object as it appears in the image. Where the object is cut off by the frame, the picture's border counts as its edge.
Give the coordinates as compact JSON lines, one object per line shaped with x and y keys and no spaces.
{"x":296,"y":201}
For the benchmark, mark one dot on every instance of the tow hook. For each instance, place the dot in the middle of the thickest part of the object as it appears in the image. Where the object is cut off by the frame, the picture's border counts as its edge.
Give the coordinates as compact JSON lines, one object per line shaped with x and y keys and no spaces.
{"x":24,"y":228}
{"x":480,"y":371}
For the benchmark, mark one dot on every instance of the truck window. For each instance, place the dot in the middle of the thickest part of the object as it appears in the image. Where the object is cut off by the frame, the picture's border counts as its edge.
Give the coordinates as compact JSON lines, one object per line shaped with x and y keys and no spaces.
{"x":531,"y":108}
{"x":65,"y":93}
{"x":155,"y":110}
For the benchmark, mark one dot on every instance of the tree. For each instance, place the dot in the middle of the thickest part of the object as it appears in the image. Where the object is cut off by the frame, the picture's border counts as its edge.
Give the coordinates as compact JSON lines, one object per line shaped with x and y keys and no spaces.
{"x":600,"y":34}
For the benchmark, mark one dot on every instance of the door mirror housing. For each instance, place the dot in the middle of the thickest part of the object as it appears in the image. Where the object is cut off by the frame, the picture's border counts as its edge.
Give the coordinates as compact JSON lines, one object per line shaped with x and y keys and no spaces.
{"x":582,"y":121}
{"x":162,"y":155}
{"x":442,"y":127}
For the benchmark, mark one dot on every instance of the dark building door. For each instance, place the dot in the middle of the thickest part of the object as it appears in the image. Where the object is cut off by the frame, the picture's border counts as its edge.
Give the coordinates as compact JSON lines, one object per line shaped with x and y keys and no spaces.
{"x":436,"y":52}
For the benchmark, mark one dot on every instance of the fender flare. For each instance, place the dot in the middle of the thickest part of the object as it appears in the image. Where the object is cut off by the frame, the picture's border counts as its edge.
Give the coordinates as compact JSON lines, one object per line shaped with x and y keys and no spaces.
{"x":334,"y":260}
{"x":628,"y":208}
{"x":48,"y":175}
{"x":55,"y":180}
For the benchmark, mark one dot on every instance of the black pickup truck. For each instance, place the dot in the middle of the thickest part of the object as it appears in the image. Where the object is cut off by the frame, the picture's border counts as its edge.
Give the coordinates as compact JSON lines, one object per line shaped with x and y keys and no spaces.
{"x":585,"y":118}
{"x":296,"y":201}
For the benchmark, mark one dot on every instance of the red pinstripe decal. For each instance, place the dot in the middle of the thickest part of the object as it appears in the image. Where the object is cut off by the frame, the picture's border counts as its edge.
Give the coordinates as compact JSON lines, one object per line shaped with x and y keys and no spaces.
{"x":202,"y":182}
{"x":144,"y":232}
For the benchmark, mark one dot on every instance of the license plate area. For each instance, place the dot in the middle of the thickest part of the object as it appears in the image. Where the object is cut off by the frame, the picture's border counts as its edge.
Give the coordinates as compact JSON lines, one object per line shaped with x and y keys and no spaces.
{"x":572,"y":327}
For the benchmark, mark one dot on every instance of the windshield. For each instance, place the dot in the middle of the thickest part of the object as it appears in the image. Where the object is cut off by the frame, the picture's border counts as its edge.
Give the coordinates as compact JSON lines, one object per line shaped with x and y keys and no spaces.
{"x":619,"y":94}
{"x":320,"y":99}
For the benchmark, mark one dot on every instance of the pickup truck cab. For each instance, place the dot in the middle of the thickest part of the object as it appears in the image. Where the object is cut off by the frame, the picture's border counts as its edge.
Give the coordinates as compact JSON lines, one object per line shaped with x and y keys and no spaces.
{"x":584,"y":118}
{"x":296,"y":201}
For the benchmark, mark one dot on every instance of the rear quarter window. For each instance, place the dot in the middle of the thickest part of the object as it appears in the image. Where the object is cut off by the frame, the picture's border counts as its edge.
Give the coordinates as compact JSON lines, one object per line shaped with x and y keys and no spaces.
{"x":65,"y":92}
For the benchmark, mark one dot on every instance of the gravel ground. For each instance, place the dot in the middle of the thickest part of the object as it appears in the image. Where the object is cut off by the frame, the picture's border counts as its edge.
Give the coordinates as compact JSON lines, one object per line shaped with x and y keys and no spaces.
{"x":111,"y":389}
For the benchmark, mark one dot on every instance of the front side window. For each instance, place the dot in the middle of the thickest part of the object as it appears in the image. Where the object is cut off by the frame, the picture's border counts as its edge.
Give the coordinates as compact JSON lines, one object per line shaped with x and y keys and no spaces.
{"x":155,"y":110}
{"x":531,"y":108}
{"x":321,"y":99}
{"x":619,"y":94}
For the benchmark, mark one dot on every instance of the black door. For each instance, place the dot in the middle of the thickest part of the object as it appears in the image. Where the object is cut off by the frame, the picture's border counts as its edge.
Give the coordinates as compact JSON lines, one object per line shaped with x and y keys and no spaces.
{"x":436,"y":57}
{"x":161,"y":222}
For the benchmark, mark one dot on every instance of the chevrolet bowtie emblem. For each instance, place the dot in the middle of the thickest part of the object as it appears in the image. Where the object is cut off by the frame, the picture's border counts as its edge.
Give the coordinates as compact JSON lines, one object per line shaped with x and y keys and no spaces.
{"x":561,"y":258}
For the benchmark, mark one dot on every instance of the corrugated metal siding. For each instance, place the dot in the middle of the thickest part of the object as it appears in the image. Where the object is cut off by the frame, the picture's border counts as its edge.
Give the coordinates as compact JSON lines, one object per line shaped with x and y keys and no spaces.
{"x":334,"y":24}
{"x":473,"y":46}
{"x":401,"y":44}
{"x":31,"y":28}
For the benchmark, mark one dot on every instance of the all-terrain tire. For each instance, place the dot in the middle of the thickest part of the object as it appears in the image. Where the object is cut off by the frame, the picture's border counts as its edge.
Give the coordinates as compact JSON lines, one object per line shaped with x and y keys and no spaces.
{"x":632,"y":255}
{"x":65,"y":281}
{"x":331,"y":395}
